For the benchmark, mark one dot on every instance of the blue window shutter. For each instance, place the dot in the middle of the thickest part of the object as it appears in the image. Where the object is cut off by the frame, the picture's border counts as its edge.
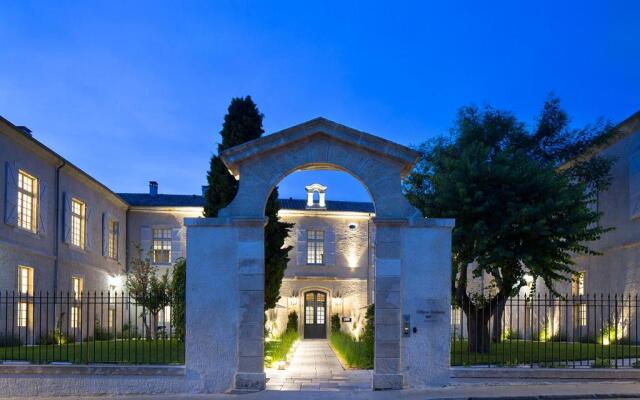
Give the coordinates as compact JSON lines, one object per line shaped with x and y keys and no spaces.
{"x":66,"y":211}
{"x":301,"y":247}
{"x":105,"y":234}
{"x":145,"y":242}
{"x":329,"y":247}
{"x":176,"y":244}
{"x":11,"y":194}
{"x":42,"y":212}
{"x":88,"y":230}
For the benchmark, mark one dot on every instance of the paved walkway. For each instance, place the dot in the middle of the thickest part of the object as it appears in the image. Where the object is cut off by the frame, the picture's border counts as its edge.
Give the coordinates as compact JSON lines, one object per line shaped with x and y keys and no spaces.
{"x":315,"y":367}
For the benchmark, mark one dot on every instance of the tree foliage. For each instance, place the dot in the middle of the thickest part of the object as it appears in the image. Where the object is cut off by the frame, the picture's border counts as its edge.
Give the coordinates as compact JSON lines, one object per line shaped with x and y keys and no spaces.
{"x":178,"y":297}
{"x":523,"y":200}
{"x":148,"y":290}
{"x":242,"y":123}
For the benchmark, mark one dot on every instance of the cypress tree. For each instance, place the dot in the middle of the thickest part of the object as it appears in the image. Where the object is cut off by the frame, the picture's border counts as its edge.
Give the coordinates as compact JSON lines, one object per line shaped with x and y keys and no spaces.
{"x":242,"y":123}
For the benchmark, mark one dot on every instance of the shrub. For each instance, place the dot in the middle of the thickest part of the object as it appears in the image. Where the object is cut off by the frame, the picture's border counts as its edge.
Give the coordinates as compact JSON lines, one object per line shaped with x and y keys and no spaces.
{"x":99,"y":333}
{"x":335,"y":323}
{"x":277,"y":349}
{"x":292,"y":321}
{"x":10,"y":340}
{"x":178,"y":291}
{"x":354,"y":352}
{"x":368,"y":337}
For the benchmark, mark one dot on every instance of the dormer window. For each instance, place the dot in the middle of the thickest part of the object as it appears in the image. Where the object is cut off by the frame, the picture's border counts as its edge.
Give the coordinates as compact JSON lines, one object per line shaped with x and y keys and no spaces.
{"x":311,"y":191}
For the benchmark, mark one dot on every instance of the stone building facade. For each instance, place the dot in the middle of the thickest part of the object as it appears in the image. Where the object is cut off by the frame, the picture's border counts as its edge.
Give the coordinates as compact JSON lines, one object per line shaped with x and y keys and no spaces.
{"x":66,"y":233}
{"x":330,"y":270}
{"x":63,"y":231}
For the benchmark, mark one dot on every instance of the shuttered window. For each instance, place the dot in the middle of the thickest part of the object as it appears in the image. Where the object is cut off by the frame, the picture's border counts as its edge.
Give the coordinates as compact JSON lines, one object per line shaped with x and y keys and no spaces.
{"x":315,"y":247}
{"x":27,"y":201}
{"x":112,"y":240}
{"x":162,"y":246}
{"x":78,"y":223}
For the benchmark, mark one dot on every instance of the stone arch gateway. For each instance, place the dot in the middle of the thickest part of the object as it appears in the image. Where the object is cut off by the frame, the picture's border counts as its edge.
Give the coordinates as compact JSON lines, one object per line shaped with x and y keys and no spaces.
{"x":226,"y":262}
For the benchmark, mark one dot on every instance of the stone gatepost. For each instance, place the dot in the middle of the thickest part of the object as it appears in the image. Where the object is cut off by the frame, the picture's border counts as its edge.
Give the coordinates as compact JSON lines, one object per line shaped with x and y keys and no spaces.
{"x":388,"y":252}
{"x":426,"y":301}
{"x":225,"y":297}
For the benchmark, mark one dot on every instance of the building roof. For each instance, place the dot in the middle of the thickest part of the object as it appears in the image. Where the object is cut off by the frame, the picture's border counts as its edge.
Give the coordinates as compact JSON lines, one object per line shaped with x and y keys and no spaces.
{"x":625,"y":128}
{"x":162,"y":200}
{"x":26,"y":133}
{"x":332,"y":205}
{"x":186,"y":200}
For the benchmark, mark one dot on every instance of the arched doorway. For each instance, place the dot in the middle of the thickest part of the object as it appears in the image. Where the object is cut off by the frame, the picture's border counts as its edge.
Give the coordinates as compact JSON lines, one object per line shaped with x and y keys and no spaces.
{"x":226,"y":261}
{"x":315,"y":315}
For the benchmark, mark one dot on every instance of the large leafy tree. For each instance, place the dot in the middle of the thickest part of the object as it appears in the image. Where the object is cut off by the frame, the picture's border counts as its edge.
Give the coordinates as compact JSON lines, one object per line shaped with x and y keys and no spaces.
{"x":523,"y":200}
{"x":242,"y":123}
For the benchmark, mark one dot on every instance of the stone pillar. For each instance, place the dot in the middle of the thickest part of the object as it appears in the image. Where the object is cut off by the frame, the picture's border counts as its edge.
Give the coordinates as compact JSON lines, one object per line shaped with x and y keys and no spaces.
{"x":225,"y":302}
{"x":387,"y":363}
{"x":212,"y":306}
{"x":250,"y":375}
{"x":426,"y":300}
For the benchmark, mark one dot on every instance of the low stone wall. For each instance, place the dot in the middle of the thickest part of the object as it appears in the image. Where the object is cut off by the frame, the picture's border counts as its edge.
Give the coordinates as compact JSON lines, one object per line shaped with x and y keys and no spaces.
{"x":68,"y":380}
{"x":545,"y":373}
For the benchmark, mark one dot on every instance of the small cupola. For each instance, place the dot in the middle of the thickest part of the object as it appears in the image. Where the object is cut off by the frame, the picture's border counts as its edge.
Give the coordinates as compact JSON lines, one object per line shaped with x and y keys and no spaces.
{"x":311,"y":191}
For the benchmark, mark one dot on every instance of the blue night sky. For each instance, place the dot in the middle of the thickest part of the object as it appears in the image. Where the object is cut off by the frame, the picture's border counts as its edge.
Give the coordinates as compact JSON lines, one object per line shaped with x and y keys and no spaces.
{"x":135,"y":91}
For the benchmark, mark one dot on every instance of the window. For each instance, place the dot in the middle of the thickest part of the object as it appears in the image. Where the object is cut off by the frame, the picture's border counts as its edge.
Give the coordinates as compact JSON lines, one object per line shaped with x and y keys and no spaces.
{"x":455,"y":315}
{"x":111,"y":317}
{"x":577,"y":284}
{"x":166,"y":316}
{"x":161,"y":246}
{"x":75,"y":317}
{"x":582,"y":315}
{"x":315,"y":247}
{"x":580,"y":309}
{"x":25,"y":289}
{"x":25,"y":280}
{"x":25,"y":314}
{"x":112,"y":240}
{"x":77,"y":285}
{"x":78,"y":212}
{"x":308,"y":312}
{"x":27,"y":201}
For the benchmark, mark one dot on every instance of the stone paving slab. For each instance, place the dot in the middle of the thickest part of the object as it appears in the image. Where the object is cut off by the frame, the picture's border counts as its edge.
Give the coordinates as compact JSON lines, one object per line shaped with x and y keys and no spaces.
{"x":315,"y":367}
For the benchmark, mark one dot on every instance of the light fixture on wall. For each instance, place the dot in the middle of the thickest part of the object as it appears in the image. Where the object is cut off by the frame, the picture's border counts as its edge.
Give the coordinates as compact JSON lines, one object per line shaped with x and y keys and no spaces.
{"x":337,"y":299}
{"x":293,"y":298}
{"x":353,"y":226}
{"x":114,"y":282}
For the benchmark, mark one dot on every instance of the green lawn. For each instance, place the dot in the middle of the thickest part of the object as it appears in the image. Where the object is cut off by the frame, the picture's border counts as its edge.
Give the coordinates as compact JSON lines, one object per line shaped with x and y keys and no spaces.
{"x":517,"y":352}
{"x":161,"y":351}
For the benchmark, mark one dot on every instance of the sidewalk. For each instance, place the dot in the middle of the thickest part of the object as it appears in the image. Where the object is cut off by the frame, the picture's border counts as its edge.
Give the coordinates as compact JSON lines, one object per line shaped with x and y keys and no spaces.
{"x":528,"y":390}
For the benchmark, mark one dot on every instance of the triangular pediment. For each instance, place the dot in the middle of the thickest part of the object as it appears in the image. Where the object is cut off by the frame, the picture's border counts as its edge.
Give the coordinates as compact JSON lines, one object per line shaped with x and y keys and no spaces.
{"x":320,"y":127}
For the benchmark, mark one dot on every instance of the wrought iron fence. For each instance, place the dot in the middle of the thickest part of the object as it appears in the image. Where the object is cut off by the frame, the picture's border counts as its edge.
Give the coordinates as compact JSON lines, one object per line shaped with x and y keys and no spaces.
{"x":544,"y":331}
{"x":85,"y":328}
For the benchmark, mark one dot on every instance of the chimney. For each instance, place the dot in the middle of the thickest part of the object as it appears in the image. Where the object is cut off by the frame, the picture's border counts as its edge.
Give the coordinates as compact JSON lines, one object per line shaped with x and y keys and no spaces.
{"x":153,"y":188}
{"x":24,"y":130}
{"x":204,"y":190}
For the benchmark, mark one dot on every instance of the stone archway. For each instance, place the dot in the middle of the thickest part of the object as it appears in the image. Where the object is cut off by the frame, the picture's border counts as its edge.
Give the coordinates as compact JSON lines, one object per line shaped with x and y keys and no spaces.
{"x":412,"y":260}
